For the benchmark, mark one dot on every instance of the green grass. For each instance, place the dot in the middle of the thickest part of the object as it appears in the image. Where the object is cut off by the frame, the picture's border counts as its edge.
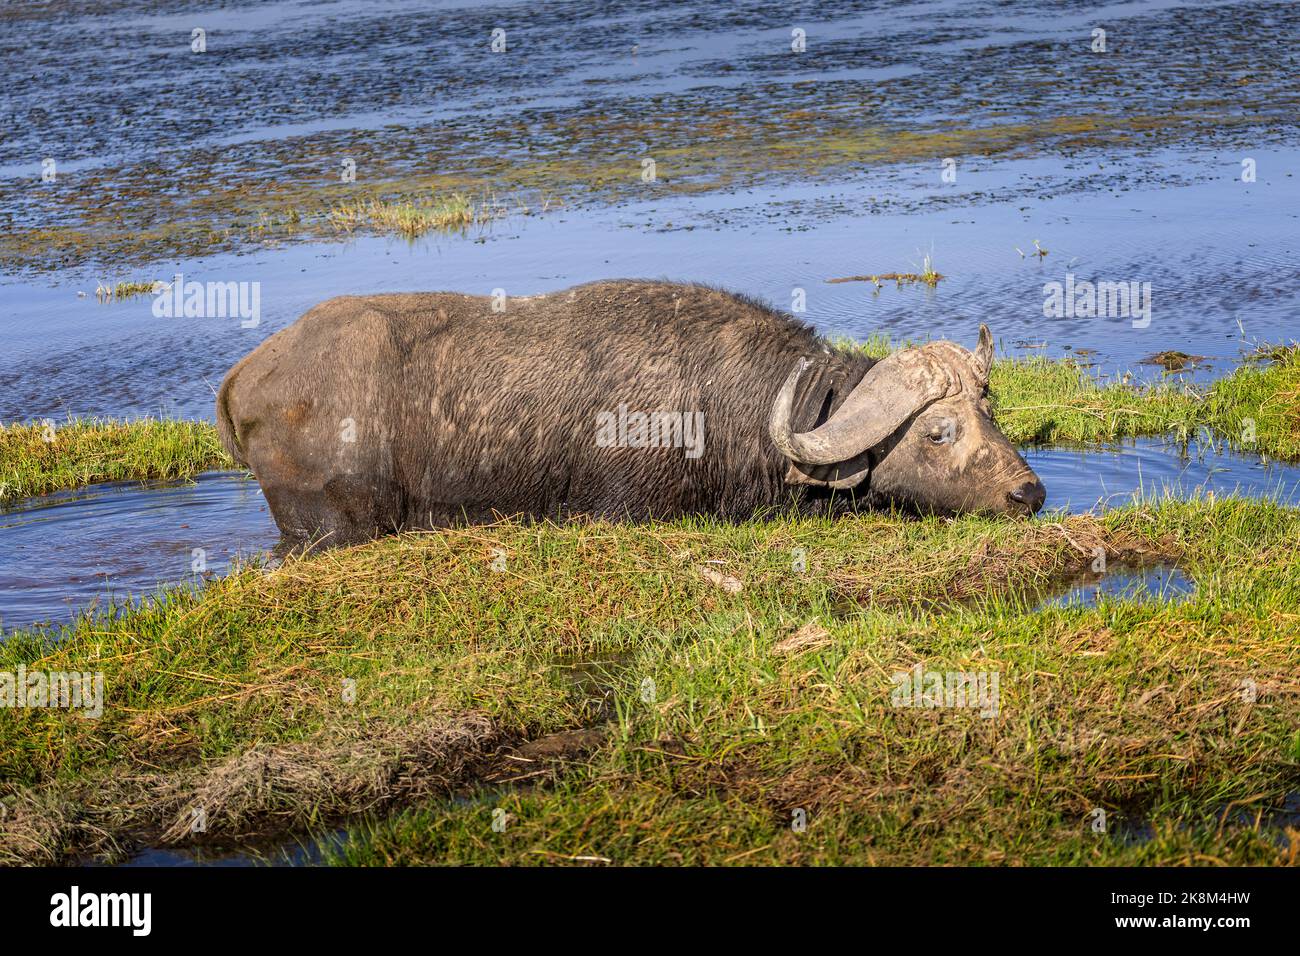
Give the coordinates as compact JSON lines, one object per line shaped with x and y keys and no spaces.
{"x":1255,"y":409}
{"x":1135,"y":709}
{"x":1260,"y":401}
{"x":41,"y":457}
{"x":233,"y":699}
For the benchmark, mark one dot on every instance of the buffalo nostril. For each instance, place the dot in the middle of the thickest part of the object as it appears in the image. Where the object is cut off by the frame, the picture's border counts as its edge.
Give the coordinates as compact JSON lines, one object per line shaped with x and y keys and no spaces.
{"x":1030,"y":495}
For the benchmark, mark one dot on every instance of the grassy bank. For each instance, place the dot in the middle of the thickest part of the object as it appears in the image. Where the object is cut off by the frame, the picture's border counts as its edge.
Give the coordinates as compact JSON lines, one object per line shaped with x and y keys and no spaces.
{"x":599,"y":695}
{"x":693,"y":692}
{"x":1255,"y":409}
{"x":41,"y":457}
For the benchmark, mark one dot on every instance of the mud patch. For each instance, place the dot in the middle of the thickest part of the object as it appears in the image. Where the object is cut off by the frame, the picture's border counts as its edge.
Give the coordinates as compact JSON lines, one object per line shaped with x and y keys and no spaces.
{"x":530,"y":763}
{"x":1174,"y":361}
{"x":543,"y":759}
{"x":258,"y":797}
{"x":1041,"y":557}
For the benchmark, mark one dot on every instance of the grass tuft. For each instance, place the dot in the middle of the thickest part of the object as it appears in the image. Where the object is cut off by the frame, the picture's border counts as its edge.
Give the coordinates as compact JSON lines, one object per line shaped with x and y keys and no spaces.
{"x":927,"y":276}
{"x":411,"y":218}
{"x":42,"y":457}
{"x":124,"y":290}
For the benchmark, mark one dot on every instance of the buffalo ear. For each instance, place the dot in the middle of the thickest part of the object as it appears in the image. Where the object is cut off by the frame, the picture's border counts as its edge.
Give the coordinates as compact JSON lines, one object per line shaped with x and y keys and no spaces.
{"x":984,"y":355}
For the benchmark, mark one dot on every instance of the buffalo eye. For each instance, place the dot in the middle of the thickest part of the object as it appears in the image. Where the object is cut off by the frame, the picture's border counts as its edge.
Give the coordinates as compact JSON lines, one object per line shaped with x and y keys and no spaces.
{"x":940,"y":434}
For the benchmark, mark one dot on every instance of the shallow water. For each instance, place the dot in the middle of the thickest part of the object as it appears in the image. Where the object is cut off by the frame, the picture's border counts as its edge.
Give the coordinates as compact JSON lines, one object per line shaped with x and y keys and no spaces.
{"x":1272,"y":820}
{"x":282,"y":70}
{"x":1226,"y":266}
{"x":114,"y":542}
{"x":1080,"y":479}
{"x":308,"y":852}
{"x":1156,"y":582}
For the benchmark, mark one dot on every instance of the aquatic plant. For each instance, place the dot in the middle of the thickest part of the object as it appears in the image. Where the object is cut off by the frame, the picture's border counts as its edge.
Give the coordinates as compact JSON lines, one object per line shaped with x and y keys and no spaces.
{"x":411,"y":218}
{"x":123,"y":290}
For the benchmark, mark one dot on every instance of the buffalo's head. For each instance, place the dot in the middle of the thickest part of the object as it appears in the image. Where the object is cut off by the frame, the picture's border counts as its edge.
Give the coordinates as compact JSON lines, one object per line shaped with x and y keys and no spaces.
{"x":917,"y":430}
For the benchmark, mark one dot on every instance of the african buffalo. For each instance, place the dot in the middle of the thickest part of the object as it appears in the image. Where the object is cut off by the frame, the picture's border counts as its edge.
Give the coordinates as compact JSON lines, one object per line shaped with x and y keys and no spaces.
{"x":624,"y":400}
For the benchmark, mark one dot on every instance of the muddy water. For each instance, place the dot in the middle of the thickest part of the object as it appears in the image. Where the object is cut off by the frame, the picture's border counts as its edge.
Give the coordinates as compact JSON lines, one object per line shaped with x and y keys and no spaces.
{"x":118,"y":542}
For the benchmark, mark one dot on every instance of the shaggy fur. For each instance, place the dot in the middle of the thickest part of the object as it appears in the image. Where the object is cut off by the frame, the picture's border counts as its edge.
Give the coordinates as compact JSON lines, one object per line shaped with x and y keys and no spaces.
{"x":458,"y":413}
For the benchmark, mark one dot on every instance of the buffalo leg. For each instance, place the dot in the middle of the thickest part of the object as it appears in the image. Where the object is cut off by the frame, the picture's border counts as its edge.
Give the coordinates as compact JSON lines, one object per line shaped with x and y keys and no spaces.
{"x":343,"y":512}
